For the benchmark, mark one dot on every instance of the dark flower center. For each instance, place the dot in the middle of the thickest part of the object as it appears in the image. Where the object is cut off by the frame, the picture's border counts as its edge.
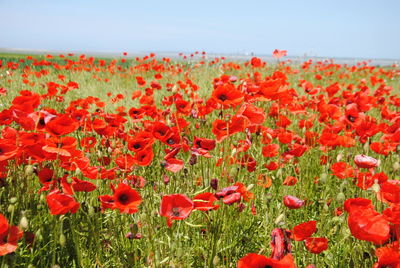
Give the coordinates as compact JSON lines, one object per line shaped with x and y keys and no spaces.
{"x":170,"y":141}
{"x":351,"y":118}
{"x":176,"y":212}
{"x":136,"y":146}
{"x":41,"y":122}
{"x":223,"y":97}
{"x":5,"y":239}
{"x":123,"y":198}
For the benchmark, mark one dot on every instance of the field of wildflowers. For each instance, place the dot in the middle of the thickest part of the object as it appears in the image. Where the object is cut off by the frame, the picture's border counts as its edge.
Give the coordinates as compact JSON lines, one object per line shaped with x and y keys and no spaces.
{"x":198,"y":162}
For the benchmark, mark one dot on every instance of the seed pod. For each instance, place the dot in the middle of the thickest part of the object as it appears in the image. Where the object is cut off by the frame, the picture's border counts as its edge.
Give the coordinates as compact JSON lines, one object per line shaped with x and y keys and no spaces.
{"x":62,"y":240}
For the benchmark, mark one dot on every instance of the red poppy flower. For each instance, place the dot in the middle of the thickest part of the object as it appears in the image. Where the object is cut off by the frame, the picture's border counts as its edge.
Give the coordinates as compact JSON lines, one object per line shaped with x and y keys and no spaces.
{"x":390,"y":192}
{"x":27,"y":101}
{"x":63,"y":146}
{"x":264,"y":181}
{"x":203,"y":143}
{"x":253,"y":260}
{"x":172,"y":164}
{"x":270,"y":150}
{"x":256,"y":62}
{"x":82,"y":186}
{"x":364,"y":161}
{"x":46,"y":175}
{"x":8,"y":149}
{"x":388,"y":256}
{"x":227,"y":95}
{"x":290,"y":181}
{"x":342,"y":170}
{"x":280,"y":243}
{"x":367,"y":224}
{"x":62,"y":125}
{"x":392,"y":214}
{"x":304,"y":230}
{"x":316,"y":244}
{"x":60,"y":204}
{"x":255,"y":115}
{"x":126,"y":199}
{"x":9,"y":236}
{"x":272,"y":166}
{"x":277,"y":54}
{"x":293,"y":202}
{"x":176,"y":207}
{"x":88,"y":142}
{"x":357,"y":203}
{"x":144,"y":158}
{"x":161,"y":131}
{"x":205,"y":202}
{"x":125,"y":161}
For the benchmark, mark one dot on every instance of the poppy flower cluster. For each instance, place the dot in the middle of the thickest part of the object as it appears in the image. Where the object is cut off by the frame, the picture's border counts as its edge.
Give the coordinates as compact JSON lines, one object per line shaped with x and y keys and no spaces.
{"x":251,"y":142}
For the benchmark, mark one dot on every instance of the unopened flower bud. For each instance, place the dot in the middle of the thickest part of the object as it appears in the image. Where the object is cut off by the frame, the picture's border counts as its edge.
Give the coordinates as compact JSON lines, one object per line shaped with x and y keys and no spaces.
{"x":23,"y":223}
{"x":62,"y":240}
{"x":214,"y":184}
{"x":29,"y":170}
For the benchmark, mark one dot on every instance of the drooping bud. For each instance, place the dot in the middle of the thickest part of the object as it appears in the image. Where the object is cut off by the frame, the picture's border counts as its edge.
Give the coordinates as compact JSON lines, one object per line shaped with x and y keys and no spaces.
{"x":214,"y":184}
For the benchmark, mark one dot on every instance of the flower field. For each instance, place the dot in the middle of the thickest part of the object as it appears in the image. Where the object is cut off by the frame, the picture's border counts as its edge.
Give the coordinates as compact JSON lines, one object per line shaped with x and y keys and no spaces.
{"x":198,"y":162}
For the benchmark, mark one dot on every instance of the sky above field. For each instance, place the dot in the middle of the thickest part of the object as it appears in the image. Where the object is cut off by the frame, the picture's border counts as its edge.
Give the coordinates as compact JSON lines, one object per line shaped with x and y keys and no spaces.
{"x":340,"y":28}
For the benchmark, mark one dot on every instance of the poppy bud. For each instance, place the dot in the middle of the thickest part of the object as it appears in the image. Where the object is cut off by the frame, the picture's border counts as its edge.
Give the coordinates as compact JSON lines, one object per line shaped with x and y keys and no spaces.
{"x":216,"y":260}
{"x":193,"y":159}
{"x":339,"y":157}
{"x":10,"y":208}
{"x":134,"y":228}
{"x":214,"y":184}
{"x":29,"y":170}
{"x":322,"y":178}
{"x":62,"y":240}
{"x":23,"y":223}
{"x":340,"y":197}
{"x":396,"y":166}
{"x":166,"y":179}
{"x":38,"y":235}
{"x":13,"y":200}
{"x":91,"y":211}
{"x":293,"y":202}
{"x":376,"y":187}
{"x":129,"y":235}
{"x":364,"y":161}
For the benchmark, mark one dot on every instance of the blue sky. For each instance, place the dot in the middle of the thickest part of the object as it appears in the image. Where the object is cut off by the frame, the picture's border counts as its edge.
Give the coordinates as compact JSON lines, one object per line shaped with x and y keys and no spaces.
{"x":367,"y":28}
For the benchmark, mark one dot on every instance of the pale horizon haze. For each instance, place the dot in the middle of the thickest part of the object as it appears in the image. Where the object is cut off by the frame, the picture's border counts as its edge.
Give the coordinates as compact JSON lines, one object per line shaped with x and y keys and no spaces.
{"x":356,"y":29}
